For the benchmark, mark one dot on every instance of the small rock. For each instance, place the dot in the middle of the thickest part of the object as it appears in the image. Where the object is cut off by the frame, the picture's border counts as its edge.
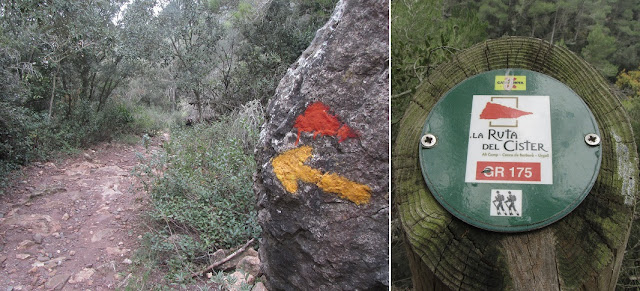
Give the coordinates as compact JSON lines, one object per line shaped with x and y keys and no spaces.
{"x":82,"y":276}
{"x":37,"y":238}
{"x":72,"y":253}
{"x":127,"y":261}
{"x":251,"y":279}
{"x":57,"y":282}
{"x":87,"y":157}
{"x":22,"y":256}
{"x":120,"y":243}
{"x":116,"y":251}
{"x":33,"y":270}
{"x":43,"y":258}
{"x":2,"y":259}
{"x":54,"y":262}
{"x":259,"y":287}
{"x":250,"y":264}
{"x":65,"y":217}
{"x":249,"y":252}
{"x":99,"y":235}
{"x":35,"y":280}
{"x":218,"y":255}
{"x":25,"y":244}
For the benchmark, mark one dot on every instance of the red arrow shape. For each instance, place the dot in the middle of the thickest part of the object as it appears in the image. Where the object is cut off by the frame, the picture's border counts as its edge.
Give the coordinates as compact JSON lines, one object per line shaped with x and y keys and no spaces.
{"x":497,"y":111}
{"x":317,"y":119}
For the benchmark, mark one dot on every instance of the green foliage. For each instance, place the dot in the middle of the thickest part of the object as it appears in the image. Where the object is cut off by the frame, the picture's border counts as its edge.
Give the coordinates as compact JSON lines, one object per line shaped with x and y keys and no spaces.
{"x":201,"y":190}
{"x":423,"y":35}
{"x":629,"y":83}
{"x":27,"y":136}
{"x":243,"y":11}
{"x":274,"y":42}
{"x":598,"y":50}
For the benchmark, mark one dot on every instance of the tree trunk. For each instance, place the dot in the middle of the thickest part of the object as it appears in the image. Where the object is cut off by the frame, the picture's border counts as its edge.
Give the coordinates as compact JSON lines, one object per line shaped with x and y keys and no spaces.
{"x":584,"y":250}
{"x":53,"y":91}
{"x":553,"y":30}
{"x":198,"y":104}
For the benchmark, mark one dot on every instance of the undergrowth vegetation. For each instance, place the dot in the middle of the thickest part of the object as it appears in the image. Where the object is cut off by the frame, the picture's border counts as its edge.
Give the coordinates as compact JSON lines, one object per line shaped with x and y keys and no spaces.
{"x":201,"y":192}
{"x":27,"y":136}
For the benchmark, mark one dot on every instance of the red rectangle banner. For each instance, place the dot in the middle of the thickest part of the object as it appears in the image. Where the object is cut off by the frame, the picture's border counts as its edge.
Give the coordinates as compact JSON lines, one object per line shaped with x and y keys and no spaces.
{"x":508,"y":171}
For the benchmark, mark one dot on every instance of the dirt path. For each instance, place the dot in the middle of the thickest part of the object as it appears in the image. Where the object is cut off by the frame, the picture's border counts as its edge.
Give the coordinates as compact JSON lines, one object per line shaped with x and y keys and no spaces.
{"x":72,"y":225}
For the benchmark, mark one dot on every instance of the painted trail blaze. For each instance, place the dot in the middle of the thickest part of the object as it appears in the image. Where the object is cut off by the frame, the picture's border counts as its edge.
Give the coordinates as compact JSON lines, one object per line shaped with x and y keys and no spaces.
{"x":316,"y":119}
{"x":497,"y":111}
{"x":289,"y":167}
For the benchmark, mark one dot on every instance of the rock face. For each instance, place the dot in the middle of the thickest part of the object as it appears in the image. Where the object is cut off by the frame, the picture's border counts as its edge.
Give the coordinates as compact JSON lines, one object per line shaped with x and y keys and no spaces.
{"x":322,"y":180}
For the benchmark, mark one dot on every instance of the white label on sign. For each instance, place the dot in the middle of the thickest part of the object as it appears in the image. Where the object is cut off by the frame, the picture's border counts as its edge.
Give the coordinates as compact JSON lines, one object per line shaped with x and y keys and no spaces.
{"x":506,"y":202}
{"x":510,"y":140}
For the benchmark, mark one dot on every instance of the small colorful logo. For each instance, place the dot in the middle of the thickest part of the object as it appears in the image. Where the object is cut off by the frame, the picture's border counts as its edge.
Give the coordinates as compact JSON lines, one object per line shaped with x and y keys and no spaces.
{"x":509,"y":83}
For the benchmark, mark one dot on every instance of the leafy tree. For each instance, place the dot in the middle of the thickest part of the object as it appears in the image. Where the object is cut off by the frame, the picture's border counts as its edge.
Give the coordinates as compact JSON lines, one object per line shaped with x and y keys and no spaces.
{"x":600,"y":47}
{"x":192,"y":33}
{"x":274,"y":41}
{"x":424,"y":34}
{"x":629,"y":83}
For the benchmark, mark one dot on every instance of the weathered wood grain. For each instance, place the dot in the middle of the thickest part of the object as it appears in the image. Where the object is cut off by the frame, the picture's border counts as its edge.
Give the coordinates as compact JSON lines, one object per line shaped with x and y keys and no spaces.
{"x":582,"y":251}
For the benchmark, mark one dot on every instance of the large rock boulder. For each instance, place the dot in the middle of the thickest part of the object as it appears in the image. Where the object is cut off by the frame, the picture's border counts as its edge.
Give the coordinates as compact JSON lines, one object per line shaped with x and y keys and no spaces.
{"x":322,"y":181}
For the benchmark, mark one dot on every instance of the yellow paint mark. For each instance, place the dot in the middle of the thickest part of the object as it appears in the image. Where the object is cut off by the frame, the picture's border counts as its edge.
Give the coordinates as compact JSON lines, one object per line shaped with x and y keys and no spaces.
{"x":289,"y":167}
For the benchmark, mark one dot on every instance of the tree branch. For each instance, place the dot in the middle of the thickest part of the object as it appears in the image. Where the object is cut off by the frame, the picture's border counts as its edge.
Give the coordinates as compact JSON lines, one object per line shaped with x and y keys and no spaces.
{"x":228,"y":258}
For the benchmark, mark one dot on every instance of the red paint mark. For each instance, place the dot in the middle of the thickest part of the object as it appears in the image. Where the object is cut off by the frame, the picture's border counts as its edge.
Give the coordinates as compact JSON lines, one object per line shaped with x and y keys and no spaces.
{"x":497,"y":111}
{"x":316,"y":119}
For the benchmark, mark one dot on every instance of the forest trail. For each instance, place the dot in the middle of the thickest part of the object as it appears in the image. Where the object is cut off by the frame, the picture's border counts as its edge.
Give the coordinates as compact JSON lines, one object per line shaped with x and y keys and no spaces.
{"x":74,"y":224}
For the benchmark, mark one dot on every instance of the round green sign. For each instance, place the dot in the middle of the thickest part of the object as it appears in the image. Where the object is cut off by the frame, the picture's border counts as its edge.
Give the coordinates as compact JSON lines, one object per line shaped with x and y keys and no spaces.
{"x":510,"y":150}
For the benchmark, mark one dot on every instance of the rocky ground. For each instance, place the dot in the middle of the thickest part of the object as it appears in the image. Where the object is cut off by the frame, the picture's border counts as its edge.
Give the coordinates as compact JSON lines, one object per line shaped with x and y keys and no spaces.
{"x":72,"y":224}
{"x":75,"y":225}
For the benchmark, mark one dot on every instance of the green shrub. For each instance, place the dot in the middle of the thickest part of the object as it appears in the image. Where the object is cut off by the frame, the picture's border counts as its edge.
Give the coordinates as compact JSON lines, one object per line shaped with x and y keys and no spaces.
{"x":201,"y":190}
{"x":27,"y":136}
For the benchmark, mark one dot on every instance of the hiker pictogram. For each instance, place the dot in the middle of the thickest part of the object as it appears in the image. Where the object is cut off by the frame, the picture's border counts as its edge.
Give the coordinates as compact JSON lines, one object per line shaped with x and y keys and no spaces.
{"x":511,"y":201}
{"x":506,"y":203}
{"x":498,"y":203}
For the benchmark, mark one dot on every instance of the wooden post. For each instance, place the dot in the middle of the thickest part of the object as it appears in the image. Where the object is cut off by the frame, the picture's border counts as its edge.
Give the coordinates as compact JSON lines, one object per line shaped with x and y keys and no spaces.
{"x":584,"y":250}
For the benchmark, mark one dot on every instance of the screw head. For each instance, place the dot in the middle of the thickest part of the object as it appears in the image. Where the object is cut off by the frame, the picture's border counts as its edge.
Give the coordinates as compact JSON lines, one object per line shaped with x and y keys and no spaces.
{"x":428,"y":141}
{"x":592,"y":139}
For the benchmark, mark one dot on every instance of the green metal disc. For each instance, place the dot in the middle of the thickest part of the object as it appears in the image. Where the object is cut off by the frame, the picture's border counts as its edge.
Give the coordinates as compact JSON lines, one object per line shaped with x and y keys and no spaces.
{"x":510,"y":150}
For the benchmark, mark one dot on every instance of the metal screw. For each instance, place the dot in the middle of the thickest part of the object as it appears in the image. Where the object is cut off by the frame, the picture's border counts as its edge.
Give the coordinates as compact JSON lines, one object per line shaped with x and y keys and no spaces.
{"x":592,"y":139}
{"x":428,"y":141}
